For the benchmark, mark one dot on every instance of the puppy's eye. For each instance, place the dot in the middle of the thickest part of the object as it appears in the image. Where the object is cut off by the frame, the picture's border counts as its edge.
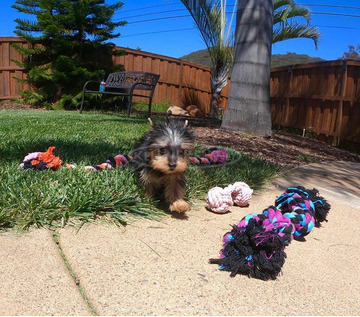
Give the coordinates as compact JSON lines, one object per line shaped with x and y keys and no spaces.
{"x":182,"y":152}
{"x":162,"y":151}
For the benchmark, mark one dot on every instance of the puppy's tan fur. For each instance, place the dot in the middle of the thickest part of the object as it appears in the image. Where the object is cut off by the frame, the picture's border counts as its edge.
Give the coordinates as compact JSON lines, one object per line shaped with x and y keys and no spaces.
{"x":161,"y":160}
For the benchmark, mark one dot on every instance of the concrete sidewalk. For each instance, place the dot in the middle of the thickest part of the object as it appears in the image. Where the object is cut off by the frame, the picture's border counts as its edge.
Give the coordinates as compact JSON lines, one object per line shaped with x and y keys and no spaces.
{"x":34,"y":277}
{"x":161,"y":268}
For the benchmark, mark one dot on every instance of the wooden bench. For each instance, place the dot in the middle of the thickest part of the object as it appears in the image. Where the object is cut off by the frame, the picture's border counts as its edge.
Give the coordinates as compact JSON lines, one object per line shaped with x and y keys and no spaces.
{"x":124,"y":84}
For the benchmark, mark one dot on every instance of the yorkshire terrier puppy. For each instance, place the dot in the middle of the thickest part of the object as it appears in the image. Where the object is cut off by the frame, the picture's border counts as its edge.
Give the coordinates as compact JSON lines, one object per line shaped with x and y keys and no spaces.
{"x":161,"y":158}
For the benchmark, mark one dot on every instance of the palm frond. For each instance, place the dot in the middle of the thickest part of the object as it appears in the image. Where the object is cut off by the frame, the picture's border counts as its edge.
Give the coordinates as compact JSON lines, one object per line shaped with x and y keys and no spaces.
{"x":287,"y":9}
{"x":291,"y":13}
{"x":210,"y":19}
{"x":280,"y":3}
{"x":295,"y":31}
{"x":202,"y":15}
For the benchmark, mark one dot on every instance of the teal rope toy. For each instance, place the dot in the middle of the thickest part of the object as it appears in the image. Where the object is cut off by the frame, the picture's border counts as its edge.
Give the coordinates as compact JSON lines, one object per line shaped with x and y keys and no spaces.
{"x":255,"y":246}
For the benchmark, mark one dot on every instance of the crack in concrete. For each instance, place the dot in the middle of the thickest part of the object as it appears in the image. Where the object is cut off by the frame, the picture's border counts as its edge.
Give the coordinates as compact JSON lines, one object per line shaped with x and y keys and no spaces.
{"x":72,"y":273}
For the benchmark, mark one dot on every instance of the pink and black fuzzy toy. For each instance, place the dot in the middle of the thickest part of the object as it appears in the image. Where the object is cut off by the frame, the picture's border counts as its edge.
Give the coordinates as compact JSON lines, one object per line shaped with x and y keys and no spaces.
{"x":42,"y":160}
{"x":111,"y":162}
{"x":211,"y":157}
{"x":255,"y":246}
{"x":47,"y":160}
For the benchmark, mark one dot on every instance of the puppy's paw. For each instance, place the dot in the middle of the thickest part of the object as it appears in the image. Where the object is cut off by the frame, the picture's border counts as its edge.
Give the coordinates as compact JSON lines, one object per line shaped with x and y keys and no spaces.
{"x":179,"y":205}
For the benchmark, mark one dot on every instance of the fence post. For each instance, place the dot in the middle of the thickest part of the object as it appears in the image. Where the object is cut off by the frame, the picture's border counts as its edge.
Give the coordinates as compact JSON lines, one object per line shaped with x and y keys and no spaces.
{"x":180,"y":81}
{"x":339,"y":117}
{"x":288,"y":93}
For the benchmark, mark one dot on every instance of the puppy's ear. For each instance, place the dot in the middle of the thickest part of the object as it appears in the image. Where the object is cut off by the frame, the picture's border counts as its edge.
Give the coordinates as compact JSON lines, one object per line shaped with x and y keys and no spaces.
{"x":151,"y":123}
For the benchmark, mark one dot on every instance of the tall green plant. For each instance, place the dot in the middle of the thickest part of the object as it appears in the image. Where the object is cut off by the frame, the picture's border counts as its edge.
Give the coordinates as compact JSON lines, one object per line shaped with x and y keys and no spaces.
{"x":210,"y":18}
{"x":68,"y":44}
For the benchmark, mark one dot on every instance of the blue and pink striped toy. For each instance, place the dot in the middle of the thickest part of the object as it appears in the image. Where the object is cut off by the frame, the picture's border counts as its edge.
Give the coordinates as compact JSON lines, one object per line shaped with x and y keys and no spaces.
{"x":255,"y":246}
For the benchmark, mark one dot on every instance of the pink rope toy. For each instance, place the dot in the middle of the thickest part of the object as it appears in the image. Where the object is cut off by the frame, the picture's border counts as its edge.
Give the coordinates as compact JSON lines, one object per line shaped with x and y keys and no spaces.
{"x":219,"y":200}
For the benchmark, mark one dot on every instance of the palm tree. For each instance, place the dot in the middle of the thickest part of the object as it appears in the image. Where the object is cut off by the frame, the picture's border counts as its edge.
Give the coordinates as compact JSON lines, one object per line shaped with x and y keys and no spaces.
{"x":210,"y":19}
{"x":248,"y":108}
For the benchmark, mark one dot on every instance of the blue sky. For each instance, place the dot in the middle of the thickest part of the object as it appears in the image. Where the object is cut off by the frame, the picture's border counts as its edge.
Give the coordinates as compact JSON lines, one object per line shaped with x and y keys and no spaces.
{"x":165,"y":27}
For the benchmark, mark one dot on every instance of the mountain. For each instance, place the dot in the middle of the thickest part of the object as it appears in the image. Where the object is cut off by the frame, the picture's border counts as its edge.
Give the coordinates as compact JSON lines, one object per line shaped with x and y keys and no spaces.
{"x":202,"y":57}
{"x":278,"y":60}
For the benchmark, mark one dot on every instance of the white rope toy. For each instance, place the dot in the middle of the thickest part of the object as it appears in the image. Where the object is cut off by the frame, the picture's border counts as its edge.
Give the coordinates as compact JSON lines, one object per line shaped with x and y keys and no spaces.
{"x":241,"y":194}
{"x":220,"y":200}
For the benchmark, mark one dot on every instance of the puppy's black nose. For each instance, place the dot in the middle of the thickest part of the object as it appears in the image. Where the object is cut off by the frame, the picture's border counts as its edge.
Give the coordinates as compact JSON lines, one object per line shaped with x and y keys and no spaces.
{"x":172,"y":166}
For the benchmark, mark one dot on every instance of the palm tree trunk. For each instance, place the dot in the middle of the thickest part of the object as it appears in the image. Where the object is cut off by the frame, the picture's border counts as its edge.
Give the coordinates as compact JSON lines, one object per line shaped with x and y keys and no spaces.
{"x":214,"y":105}
{"x":218,"y":81}
{"x":248,"y":108}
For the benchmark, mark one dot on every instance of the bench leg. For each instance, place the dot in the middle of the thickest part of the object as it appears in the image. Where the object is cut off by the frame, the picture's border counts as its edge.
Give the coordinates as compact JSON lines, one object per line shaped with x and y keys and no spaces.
{"x":149,"y":112}
{"x":101,"y":103}
{"x":129,"y":106}
{"x":82,"y":102}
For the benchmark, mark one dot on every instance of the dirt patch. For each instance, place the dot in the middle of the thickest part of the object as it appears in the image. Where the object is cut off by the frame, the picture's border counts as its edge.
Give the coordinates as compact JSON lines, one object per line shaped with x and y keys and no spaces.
{"x":9,"y":105}
{"x":282,"y":148}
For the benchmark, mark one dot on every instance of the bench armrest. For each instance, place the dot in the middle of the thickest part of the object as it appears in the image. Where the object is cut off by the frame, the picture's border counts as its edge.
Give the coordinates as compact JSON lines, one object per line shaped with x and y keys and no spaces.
{"x":90,"y":81}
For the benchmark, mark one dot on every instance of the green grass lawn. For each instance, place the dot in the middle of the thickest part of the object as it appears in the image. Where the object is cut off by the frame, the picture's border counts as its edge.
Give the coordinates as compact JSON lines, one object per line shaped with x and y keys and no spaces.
{"x":56,"y":198}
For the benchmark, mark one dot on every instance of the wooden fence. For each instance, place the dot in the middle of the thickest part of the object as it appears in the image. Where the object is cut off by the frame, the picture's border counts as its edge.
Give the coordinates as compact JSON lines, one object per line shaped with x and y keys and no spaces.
{"x":181,"y":83}
{"x":10,"y":88}
{"x":323,"y":97}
